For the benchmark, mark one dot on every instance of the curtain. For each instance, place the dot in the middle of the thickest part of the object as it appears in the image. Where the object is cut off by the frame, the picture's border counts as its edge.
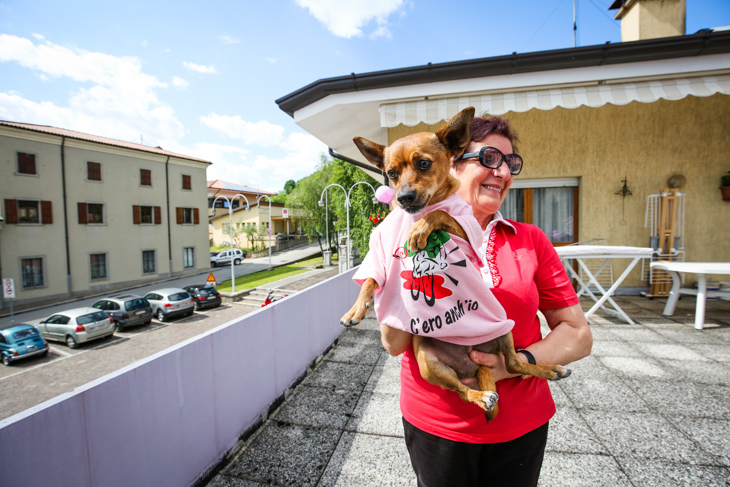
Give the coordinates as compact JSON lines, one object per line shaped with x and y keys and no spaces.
{"x":552,"y":211}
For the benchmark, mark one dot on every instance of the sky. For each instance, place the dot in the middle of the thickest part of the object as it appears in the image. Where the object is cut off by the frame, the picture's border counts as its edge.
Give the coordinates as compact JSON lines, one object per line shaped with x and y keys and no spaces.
{"x":201,"y":78}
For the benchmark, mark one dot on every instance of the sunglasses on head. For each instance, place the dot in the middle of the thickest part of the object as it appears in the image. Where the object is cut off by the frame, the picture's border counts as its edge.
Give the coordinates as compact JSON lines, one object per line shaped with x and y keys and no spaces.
{"x":492,"y":158}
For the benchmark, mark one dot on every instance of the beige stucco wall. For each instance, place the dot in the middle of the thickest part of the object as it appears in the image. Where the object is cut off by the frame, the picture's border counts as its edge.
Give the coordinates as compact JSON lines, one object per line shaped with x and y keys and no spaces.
{"x":257,"y":215}
{"x":118,"y":237}
{"x":646,"y":143}
{"x":648,"y":19}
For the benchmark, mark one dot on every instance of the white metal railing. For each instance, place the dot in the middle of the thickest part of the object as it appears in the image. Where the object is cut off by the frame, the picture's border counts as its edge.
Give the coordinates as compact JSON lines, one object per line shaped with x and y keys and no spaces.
{"x":170,"y":418}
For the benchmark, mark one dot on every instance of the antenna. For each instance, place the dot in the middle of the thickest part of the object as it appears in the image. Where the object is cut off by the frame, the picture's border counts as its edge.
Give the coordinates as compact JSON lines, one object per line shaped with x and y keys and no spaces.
{"x":575,"y":23}
{"x":141,"y":139}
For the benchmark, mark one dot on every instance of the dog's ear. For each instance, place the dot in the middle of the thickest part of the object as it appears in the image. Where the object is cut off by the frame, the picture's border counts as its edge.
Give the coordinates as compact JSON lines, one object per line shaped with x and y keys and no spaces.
{"x":375,"y":153}
{"x":456,"y":134}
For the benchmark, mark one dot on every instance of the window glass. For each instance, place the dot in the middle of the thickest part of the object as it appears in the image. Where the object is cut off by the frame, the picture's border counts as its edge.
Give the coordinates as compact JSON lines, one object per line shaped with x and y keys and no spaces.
{"x":188,"y":257}
{"x":148,"y":261}
{"x":98,"y":266}
{"x":28,"y":211}
{"x":146,"y":214}
{"x":178,"y":296}
{"x":513,"y":206}
{"x":94,"y":213}
{"x":32,"y":272}
{"x":136,"y":304}
{"x":187,"y":214}
{"x":26,"y":163}
{"x":552,"y":211}
{"x":2,"y":338}
{"x":92,"y":318}
{"x":206,"y":291}
{"x":28,"y":332}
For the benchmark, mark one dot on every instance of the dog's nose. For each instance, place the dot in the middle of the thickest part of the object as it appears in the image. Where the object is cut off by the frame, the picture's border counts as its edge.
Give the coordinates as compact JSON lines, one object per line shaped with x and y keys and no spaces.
{"x":406,"y":197}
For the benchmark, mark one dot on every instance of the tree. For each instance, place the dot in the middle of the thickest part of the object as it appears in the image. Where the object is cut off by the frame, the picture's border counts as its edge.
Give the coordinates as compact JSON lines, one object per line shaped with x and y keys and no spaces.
{"x":305,"y":197}
{"x":289,"y":186}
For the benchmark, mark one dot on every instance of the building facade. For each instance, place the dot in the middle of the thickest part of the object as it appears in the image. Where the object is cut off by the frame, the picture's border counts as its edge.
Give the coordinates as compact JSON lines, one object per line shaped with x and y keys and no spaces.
{"x":86,"y":214}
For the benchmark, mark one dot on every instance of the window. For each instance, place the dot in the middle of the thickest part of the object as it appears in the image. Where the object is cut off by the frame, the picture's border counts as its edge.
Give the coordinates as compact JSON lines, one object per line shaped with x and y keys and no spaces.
{"x":98,"y":266}
{"x":91,"y":213}
{"x":187,"y":216}
{"x":28,"y":211}
{"x":187,"y":182}
{"x":93,"y":171}
{"x":145,"y":177}
{"x":148,"y":261}
{"x":32,"y":272}
{"x":189,"y":257}
{"x":146,"y":215}
{"x":552,"y":205}
{"x":26,"y":163}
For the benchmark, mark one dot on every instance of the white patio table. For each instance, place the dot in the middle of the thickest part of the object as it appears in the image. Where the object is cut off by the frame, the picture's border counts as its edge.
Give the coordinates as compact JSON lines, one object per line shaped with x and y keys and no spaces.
{"x":580,"y":253}
{"x":701,"y":269}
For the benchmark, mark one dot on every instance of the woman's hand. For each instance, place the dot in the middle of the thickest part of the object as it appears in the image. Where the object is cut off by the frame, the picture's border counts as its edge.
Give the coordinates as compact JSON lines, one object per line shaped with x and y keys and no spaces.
{"x":495,"y":364}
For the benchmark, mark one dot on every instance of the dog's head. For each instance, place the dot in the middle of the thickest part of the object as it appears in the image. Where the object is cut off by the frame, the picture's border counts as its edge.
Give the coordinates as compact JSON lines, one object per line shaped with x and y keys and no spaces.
{"x":418,"y":164}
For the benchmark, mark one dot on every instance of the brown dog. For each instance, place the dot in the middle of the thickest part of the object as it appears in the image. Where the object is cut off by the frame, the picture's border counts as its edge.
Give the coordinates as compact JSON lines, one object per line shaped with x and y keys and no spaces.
{"x":418,"y":165}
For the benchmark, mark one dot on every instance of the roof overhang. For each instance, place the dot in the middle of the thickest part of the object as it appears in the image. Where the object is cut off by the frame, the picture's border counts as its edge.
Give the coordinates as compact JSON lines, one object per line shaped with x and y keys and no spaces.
{"x":337,"y":109}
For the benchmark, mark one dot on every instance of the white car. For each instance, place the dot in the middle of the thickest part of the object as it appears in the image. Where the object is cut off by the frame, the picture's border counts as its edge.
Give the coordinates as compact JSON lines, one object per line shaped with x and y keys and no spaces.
{"x":224,"y":257}
{"x":76,"y":326}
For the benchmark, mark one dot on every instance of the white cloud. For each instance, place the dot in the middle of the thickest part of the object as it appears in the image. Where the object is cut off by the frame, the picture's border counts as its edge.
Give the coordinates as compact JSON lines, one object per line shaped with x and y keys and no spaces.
{"x":38,"y":36}
{"x":229,"y":40}
{"x":143,"y":43}
{"x":346,"y":19}
{"x":198,"y":68}
{"x":260,"y":133}
{"x":180,"y":83}
{"x":271,"y":60}
{"x":113,"y":97}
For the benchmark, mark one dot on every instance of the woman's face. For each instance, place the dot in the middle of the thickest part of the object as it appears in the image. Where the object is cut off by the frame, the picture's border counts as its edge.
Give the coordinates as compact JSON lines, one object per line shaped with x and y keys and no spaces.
{"x":484,"y":189}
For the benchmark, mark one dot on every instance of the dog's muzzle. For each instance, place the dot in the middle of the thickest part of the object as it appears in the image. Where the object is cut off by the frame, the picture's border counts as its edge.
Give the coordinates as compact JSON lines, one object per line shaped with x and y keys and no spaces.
{"x":411,"y":201}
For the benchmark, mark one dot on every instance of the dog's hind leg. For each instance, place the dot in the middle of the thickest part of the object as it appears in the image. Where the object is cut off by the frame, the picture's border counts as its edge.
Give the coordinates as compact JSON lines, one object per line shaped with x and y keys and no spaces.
{"x":486,"y":383}
{"x":358,"y":310}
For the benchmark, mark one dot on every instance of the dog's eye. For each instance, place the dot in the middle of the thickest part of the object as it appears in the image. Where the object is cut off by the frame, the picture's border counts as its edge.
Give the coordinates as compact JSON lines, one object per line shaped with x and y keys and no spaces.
{"x":424,"y":164}
{"x":392,"y":174}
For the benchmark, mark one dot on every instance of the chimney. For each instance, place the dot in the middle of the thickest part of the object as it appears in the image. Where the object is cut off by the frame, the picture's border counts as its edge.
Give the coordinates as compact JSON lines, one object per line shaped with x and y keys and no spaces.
{"x":648,"y":19}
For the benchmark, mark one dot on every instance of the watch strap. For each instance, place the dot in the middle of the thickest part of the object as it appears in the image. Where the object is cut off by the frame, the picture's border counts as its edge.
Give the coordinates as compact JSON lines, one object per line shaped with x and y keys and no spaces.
{"x":530,"y":357}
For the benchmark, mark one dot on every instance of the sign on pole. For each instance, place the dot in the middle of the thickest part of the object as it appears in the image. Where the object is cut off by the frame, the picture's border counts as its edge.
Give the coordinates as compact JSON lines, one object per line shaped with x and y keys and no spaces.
{"x":211,"y":279}
{"x":8,"y":288}
{"x":285,"y":212}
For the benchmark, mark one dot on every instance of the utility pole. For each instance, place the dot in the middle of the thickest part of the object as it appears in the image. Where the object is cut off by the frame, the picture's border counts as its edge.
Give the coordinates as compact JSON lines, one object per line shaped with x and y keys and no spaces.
{"x":575,"y":23}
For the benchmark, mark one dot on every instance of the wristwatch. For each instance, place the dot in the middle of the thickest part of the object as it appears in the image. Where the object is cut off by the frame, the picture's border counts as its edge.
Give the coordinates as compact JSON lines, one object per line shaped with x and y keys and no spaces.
{"x":530,"y":357}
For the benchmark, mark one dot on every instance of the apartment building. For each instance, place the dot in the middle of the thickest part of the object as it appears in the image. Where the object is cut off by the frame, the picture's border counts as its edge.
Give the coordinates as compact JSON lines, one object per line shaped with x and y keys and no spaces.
{"x":83,"y":214}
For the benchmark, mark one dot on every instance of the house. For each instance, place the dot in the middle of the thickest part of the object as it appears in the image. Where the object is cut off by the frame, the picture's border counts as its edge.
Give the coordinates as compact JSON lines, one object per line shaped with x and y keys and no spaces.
{"x":592,"y":121}
{"x":85,"y":214}
{"x":221,"y":191}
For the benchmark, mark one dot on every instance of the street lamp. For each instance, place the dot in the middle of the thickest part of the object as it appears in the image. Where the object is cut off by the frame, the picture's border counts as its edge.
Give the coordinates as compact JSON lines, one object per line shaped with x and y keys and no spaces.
{"x":347,"y":207}
{"x":230,"y":223}
{"x":270,"y":229}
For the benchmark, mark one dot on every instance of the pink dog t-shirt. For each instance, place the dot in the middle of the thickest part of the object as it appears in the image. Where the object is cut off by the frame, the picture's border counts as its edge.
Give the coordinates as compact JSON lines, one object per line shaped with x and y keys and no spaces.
{"x":438,"y":292}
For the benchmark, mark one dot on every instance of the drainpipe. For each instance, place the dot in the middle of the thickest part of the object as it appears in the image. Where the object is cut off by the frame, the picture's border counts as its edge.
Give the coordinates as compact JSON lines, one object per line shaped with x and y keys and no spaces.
{"x":169,"y":228}
{"x":65,"y":217}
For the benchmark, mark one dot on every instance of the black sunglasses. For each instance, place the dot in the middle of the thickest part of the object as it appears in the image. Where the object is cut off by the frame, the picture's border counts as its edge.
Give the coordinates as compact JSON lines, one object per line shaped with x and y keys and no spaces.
{"x":492,"y":158}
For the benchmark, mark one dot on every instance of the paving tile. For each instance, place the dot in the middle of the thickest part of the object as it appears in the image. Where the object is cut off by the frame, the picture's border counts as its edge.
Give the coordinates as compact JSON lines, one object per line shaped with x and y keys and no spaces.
{"x":358,"y":336}
{"x":672,"y":397}
{"x":569,"y":433}
{"x":360,"y":352}
{"x":672,"y":351}
{"x":339,"y":376}
{"x":581,"y":470}
{"x":662,"y":474}
{"x":314,"y":406}
{"x":606,"y":394}
{"x":369,"y":461}
{"x":560,"y":398}
{"x":226,"y":481}
{"x":640,"y":335}
{"x":588,"y":368}
{"x":644,"y":436}
{"x":713,"y":435}
{"x":377,"y":414}
{"x":618,"y":348}
{"x":286,"y":454}
{"x":711,"y":373}
{"x":385,"y":379}
{"x":663,"y":322}
{"x":601,"y":333}
{"x":641,"y":368}
{"x":719,"y":352}
{"x":690,"y":336}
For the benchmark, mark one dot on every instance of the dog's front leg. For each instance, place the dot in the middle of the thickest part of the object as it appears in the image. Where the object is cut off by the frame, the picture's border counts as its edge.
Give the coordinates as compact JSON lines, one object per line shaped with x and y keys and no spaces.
{"x":436,"y":220}
{"x":358,"y":310}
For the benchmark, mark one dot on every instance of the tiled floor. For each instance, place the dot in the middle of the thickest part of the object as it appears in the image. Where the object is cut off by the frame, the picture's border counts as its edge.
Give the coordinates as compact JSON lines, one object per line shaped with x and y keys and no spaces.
{"x":649,"y":407}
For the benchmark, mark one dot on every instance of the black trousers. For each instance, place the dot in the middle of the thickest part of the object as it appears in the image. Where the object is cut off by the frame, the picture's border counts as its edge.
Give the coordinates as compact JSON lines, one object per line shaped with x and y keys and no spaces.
{"x":439,"y":462}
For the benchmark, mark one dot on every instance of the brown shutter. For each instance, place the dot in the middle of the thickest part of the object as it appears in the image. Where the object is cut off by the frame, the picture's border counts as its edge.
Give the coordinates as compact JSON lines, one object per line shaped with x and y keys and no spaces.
{"x":158,"y":215}
{"x":82,"y":214}
{"x":196,"y":215}
{"x":136,"y":214}
{"x":26,"y":163}
{"x":93,"y":171}
{"x":178,"y":213}
{"x":47,"y":212}
{"x":186,"y":183}
{"x":145,"y":177}
{"x":11,"y":211}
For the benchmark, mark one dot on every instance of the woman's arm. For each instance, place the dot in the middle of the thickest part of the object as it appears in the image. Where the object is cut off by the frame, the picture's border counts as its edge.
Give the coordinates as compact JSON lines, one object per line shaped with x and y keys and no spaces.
{"x":395,"y":341}
{"x":569,"y":340}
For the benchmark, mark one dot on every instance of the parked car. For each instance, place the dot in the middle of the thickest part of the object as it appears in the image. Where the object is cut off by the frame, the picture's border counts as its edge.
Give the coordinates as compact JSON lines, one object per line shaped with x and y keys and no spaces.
{"x":224,"y":257}
{"x":126,"y":309}
{"x":77,"y":326}
{"x":170,"y":302}
{"x":205,"y":296}
{"x":21,"y":342}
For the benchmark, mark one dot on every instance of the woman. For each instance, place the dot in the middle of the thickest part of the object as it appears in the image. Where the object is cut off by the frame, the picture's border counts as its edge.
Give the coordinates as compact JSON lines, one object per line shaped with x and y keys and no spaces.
{"x":449,"y":441}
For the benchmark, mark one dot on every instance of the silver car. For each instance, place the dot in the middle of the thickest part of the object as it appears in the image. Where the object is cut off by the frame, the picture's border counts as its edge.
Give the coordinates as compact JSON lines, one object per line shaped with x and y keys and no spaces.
{"x":77,"y":326}
{"x":224,"y":257}
{"x":169,"y":302}
{"x":126,"y":309}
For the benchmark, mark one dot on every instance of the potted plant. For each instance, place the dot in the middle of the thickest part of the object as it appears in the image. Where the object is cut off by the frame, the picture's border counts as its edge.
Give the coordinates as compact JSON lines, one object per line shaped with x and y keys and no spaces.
{"x":725,"y":187}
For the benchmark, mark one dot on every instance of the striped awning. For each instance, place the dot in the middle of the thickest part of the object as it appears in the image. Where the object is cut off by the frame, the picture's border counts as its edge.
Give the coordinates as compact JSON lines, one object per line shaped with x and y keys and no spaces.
{"x":432,"y":111}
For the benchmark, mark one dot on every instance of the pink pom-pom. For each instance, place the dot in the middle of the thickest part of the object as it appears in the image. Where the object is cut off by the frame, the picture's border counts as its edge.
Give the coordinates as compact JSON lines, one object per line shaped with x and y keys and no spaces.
{"x":385,"y":194}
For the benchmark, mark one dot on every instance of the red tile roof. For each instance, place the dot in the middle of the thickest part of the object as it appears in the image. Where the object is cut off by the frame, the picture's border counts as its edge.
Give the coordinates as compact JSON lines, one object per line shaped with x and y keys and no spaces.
{"x":97,"y":139}
{"x":226,"y":186}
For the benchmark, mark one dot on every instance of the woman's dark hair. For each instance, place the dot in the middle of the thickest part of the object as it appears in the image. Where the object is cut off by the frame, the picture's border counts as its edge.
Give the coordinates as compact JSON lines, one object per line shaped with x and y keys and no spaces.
{"x":483,"y":126}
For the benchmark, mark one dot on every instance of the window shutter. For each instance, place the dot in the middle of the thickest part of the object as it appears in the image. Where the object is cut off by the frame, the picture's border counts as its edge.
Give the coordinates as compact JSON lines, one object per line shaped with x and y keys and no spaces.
{"x":93,"y":171}
{"x":186,"y":183}
{"x":196,"y":215}
{"x":145,"y":177}
{"x":158,"y":215}
{"x":179,"y":214}
{"x":26,"y":163}
{"x":136,"y":214}
{"x":82,"y":214}
{"x":46,"y":212}
{"x":11,"y":211}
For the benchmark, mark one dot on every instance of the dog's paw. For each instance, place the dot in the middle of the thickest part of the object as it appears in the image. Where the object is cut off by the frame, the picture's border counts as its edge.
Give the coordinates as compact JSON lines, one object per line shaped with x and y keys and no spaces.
{"x":489,"y":400}
{"x":418,"y":236}
{"x":348,"y":322}
{"x":561,"y":372}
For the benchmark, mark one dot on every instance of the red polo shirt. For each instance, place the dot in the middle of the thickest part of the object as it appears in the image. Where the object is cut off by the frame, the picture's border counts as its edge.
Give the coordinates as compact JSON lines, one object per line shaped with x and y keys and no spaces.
{"x":528,"y":276}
